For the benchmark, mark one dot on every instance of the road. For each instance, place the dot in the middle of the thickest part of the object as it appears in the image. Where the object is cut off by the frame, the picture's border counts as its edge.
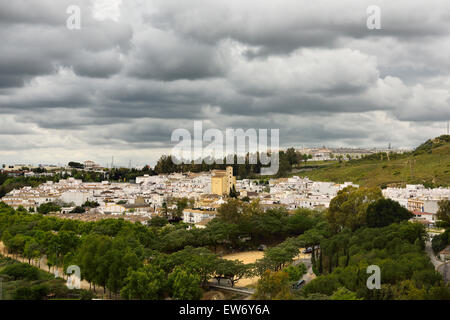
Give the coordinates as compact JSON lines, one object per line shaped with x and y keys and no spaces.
{"x":441,"y":267}
{"x":309,"y":274}
{"x":248,"y":291}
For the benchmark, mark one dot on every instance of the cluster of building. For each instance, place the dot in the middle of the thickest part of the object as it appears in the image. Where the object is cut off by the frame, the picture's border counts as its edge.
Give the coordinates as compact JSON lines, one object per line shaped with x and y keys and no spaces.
{"x":46,"y":170}
{"x":155,"y":195}
{"x":326,"y":154}
{"x":422,"y":202}
{"x":292,"y":193}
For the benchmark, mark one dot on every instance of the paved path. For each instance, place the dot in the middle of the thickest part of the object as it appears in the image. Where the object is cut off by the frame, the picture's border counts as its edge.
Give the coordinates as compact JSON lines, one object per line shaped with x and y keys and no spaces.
{"x":309,"y":274}
{"x":234,"y":289}
{"x":429,"y":251}
{"x":440,"y":266}
{"x":444,"y":269}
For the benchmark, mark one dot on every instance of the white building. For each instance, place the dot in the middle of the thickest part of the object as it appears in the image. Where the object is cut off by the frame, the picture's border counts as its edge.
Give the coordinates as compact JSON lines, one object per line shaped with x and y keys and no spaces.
{"x":196,"y":216}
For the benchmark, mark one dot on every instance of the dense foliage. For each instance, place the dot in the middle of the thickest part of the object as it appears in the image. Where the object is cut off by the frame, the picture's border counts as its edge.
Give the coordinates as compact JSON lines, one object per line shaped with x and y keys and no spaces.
{"x":165,"y":259}
{"x":21,"y":281}
{"x":384,"y":212}
{"x":396,"y":249}
{"x":115,"y":254}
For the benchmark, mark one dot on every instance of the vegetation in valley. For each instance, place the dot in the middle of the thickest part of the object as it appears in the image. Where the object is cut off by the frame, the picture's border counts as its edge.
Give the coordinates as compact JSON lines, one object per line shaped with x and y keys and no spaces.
{"x":21,"y":281}
{"x":170,"y":260}
{"x":114,"y":254}
{"x":350,"y":242}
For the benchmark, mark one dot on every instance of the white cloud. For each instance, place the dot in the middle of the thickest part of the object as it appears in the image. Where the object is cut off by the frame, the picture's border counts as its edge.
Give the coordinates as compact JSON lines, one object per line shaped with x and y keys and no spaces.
{"x":106,"y":9}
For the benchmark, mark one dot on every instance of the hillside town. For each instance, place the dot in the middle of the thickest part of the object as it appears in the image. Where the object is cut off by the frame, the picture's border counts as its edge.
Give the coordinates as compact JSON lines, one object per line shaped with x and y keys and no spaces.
{"x":150,"y":196}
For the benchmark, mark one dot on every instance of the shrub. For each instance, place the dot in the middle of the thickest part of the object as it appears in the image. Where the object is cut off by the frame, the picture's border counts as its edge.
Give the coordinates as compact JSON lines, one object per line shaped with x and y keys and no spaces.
{"x":38,"y":292}
{"x":21,"y":271}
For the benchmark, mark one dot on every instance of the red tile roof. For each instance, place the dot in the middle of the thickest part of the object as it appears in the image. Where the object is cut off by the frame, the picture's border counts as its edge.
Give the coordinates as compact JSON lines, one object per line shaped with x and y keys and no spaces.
{"x":421,"y":213}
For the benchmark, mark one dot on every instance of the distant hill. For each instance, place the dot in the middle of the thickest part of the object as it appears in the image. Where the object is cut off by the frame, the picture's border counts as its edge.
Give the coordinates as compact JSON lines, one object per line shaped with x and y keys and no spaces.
{"x":428,"y":164}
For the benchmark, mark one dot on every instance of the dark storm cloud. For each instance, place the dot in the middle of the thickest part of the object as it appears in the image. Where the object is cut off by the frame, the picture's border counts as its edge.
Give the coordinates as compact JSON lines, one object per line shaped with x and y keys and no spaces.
{"x":311,"y":69}
{"x":166,"y":57}
{"x":36,"y":41}
{"x":285,"y":25}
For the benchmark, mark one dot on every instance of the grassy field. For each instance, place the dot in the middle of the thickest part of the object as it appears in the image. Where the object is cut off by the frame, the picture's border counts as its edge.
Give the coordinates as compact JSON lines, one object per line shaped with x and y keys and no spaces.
{"x":429,"y":164}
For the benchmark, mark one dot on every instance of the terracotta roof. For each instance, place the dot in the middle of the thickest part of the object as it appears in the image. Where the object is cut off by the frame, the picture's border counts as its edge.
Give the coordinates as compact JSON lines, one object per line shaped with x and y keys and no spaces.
{"x":421,"y":213}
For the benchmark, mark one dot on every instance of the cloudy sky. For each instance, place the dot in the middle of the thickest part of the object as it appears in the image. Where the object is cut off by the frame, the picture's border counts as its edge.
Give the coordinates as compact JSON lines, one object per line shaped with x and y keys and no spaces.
{"x":138,"y":69}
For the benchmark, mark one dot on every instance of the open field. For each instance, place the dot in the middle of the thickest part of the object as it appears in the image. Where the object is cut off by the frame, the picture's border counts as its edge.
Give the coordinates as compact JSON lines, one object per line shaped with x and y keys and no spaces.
{"x":246,"y":257}
{"x":251,"y":257}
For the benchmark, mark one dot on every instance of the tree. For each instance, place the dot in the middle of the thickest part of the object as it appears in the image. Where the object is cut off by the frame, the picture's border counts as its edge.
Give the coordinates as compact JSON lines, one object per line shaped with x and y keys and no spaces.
{"x":165,"y":210}
{"x":277,"y":257}
{"x":165,"y":165}
{"x":20,"y":271}
{"x":181,"y":205}
{"x":231,"y":270}
{"x":37,"y":292}
{"x":220,"y":232}
{"x":440,"y":241}
{"x":87,"y":258}
{"x":284,"y":166}
{"x":233,"y":192}
{"x":146,"y":283}
{"x":443,"y":213}
{"x":200,"y":260}
{"x":158,"y":222}
{"x":273,"y":285}
{"x":349,"y":207}
{"x":76,"y":165}
{"x":230,"y":211}
{"x":78,"y":209}
{"x":383,"y":212}
{"x":48,"y":207}
{"x":120,"y":258}
{"x":295,"y":272}
{"x":185,"y":285}
{"x":90,"y":204}
{"x":344,"y":294}
{"x":291,"y":156}
{"x":32,"y":250}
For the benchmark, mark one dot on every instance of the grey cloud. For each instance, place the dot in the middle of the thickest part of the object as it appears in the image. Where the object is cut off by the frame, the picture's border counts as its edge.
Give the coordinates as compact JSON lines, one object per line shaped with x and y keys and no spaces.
{"x":165,"y":56}
{"x":36,"y":41}
{"x":313,"y":70}
{"x":288,"y":24}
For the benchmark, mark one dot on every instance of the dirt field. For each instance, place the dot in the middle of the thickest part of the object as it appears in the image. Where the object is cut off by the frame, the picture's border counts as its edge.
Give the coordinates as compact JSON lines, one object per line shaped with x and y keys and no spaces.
{"x":251,"y":257}
{"x":246,"y":257}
